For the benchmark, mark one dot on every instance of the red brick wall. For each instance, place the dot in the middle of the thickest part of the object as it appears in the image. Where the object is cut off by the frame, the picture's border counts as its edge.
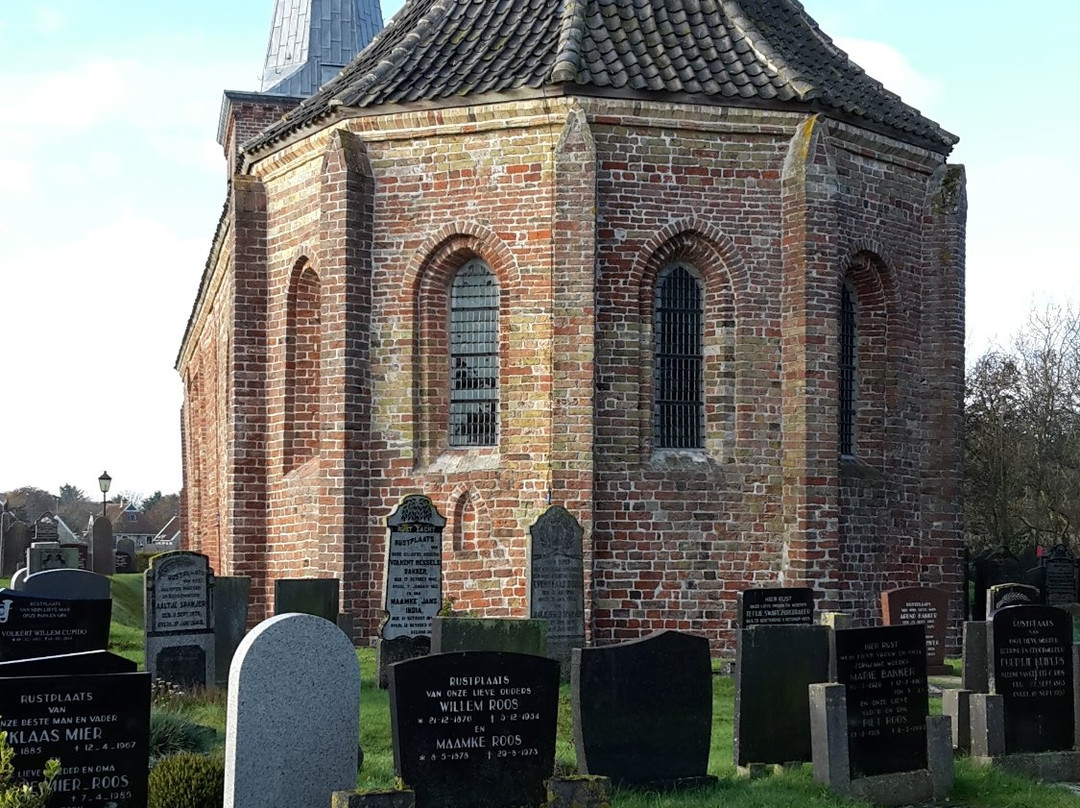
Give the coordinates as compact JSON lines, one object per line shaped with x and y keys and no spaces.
{"x":576,"y":209}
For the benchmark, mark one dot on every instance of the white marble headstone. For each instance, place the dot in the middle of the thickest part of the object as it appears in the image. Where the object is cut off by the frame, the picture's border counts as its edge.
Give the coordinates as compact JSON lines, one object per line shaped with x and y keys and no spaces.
{"x":293,"y":716}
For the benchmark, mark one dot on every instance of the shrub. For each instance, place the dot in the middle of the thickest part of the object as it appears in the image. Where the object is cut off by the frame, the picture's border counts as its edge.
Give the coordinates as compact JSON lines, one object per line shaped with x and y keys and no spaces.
{"x":23,"y":795}
{"x":171,"y":733}
{"x":187,"y":780}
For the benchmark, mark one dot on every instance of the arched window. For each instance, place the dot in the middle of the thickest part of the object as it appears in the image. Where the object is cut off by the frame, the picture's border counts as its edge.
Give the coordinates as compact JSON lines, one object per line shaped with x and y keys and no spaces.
{"x":474,"y":356}
{"x":303,"y":429}
{"x":848,"y":378}
{"x":678,"y":400}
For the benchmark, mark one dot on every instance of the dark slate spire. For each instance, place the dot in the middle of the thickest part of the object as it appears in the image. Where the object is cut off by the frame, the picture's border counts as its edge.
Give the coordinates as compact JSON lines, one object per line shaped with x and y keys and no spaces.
{"x":767,"y":53}
{"x":312,"y":40}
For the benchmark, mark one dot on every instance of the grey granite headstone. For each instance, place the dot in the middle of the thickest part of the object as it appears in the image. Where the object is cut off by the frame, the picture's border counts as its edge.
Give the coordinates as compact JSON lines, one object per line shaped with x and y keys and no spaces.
{"x":774,"y":667}
{"x":293,"y":715}
{"x":413,"y":583}
{"x":557,"y":582}
{"x":82,"y":550}
{"x":975,"y":674}
{"x":16,"y":542}
{"x":102,"y":549}
{"x":179,"y":612}
{"x":317,"y":596}
{"x":231,"y":598}
{"x":125,"y":555}
{"x":48,"y":555}
{"x":64,"y":583}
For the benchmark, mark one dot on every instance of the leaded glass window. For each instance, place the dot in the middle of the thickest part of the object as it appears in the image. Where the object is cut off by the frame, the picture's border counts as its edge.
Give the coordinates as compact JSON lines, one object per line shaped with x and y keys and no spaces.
{"x":847,"y":370}
{"x":474,"y":356}
{"x":678,"y":402}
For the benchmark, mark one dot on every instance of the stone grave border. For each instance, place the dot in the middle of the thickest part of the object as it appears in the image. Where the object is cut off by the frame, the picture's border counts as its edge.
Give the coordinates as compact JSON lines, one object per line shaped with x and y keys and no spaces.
{"x":829,"y":731}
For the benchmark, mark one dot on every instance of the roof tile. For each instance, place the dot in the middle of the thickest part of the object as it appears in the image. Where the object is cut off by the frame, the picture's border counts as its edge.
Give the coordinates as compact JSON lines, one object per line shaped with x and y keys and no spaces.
{"x":762,"y":50}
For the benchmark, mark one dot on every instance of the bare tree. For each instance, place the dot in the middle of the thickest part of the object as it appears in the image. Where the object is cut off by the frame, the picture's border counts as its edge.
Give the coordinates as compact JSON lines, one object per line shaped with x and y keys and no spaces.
{"x":1022,"y":441}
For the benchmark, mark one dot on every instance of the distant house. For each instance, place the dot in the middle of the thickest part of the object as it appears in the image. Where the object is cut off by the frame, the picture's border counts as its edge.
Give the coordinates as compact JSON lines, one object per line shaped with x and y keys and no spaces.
{"x":129,"y":522}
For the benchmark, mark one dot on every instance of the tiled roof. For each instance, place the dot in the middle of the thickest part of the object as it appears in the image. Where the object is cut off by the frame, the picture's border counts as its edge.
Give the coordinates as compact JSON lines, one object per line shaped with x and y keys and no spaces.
{"x":746,"y":52}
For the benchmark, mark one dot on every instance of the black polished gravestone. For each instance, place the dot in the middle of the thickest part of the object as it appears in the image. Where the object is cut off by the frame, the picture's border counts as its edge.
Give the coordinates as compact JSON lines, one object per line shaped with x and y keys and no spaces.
{"x":32,"y":626}
{"x":316,"y":596}
{"x":475,"y":729}
{"x":1059,"y":577}
{"x":643,"y":711}
{"x":774,"y":668}
{"x":96,"y":723}
{"x":1030,"y":650}
{"x":999,"y":567}
{"x":1002,"y":596}
{"x":778,"y":606}
{"x":884,"y":673}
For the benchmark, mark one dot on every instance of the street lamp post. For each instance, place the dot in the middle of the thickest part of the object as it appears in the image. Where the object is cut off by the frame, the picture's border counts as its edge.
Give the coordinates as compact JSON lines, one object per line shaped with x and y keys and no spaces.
{"x":104,"y":481}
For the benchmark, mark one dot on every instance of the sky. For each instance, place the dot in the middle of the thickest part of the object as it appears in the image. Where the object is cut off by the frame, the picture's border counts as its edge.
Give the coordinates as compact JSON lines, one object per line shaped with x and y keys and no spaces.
{"x":111,"y":183}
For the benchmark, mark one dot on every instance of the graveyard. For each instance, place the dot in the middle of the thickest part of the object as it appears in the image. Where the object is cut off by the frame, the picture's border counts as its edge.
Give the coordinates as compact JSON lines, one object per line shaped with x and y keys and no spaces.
{"x":658,"y":719}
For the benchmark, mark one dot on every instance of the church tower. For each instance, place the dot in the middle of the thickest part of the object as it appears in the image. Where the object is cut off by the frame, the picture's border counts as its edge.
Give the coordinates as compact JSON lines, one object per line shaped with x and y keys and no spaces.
{"x":311,"y":41}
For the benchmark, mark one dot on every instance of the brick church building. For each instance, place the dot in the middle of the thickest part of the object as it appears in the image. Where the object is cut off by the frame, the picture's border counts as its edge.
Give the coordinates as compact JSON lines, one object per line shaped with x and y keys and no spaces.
{"x":678,"y":266}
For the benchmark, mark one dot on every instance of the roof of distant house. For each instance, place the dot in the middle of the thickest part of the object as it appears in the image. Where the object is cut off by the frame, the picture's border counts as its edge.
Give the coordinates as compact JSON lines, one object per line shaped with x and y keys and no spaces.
{"x":764,"y":53}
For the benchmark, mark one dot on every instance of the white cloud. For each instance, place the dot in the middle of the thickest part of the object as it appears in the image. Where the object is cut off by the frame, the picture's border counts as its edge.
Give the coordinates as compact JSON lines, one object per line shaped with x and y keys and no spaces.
{"x":889,"y":66}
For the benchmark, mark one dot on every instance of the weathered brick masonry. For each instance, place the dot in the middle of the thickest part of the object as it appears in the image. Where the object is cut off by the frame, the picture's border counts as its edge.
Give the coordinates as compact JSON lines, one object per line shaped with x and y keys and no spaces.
{"x":316,"y":373}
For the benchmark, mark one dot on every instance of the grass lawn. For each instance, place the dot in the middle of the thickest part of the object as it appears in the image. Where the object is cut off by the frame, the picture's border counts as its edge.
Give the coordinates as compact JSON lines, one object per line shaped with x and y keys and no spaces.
{"x":975,"y":787}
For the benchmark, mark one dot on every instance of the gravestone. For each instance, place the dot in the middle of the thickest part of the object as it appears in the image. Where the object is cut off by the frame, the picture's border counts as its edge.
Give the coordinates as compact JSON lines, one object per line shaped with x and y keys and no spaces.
{"x":774,"y":667}
{"x":475,"y":729}
{"x":81,"y":550}
{"x":46,"y":529}
{"x":317,"y":596}
{"x":102,"y":548}
{"x":67,"y":583}
{"x":92,"y":712}
{"x":1000,"y":596}
{"x":557,"y":582}
{"x":1031,"y":668}
{"x":231,"y":598}
{"x":643,"y":710}
{"x":33,"y":626}
{"x":925,"y":606}
{"x":48,"y":555}
{"x":292,"y":716}
{"x":125,"y":555}
{"x":488,"y":634}
{"x":18,"y":578}
{"x":884,"y":673}
{"x":413,"y":583}
{"x":999,"y":567}
{"x":1059,"y":569}
{"x":776,"y":606}
{"x":179,"y":609}
{"x":16,"y":540}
